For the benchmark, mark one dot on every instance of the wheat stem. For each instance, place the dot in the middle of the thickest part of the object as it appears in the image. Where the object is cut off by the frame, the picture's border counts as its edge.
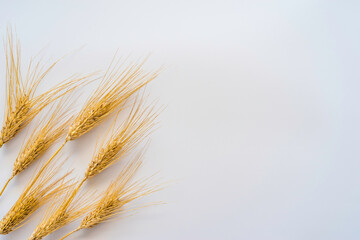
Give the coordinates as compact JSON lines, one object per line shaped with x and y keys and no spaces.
{"x":76,"y":190}
{"x":52,"y":157}
{"x":70,"y":233}
{"x":7,"y":182}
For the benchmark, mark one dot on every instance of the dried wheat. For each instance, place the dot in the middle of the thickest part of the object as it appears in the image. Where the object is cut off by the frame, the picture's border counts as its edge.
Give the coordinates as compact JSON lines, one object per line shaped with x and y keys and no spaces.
{"x":42,"y":138}
{"x":133,"y":130}
{"x":124,"y":138}
{"x":118,"y":84}
{"x":21,"y":103}
{"x":118,"y":194}
{"x":66,"y":211}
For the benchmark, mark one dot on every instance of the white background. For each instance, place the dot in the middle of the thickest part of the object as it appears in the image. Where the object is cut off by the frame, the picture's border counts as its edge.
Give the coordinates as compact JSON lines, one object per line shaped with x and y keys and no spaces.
{"x":261,"y":130}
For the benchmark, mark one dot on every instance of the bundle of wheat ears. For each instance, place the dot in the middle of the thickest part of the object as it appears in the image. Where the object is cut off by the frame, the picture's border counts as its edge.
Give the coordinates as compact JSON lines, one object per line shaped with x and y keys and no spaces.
{"x":120,"y":81}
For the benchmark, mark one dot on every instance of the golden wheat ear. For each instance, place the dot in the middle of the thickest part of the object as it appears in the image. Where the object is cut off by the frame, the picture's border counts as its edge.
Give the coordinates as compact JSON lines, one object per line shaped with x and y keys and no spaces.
{"x":21,"y":103}
{"x":124,"y":138}
{"x":51,"y":129}
{"x":118,"y":84}
{"x":118,"y":194}
{"x":68,"y":209}
{"x":39,"y":190}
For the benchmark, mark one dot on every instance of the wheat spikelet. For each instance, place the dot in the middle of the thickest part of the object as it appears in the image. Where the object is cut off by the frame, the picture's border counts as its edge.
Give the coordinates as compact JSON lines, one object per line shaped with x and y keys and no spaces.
{"x":40,"y":189}
{"x":21,"y":103}
{"x":66,"y":211}
{"x":132,"y":131}
{"x":118,"y":194}
{"x":118,"y":84}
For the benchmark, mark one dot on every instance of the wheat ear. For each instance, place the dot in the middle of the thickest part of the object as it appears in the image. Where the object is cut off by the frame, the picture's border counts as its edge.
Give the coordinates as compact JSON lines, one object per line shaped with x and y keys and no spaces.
{"x":42,"y":138}
{"x":118,"y":194}
{"x":118,"y":84}
{"x":39,"y":190}
{"x":21,"y":103}
{"x":66,"y":211}
{"x":124,"y":138}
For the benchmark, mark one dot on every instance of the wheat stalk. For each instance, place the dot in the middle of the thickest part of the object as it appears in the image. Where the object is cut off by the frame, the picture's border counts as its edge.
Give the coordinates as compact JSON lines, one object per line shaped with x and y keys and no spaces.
{"x":66,"y":211}
{"x":21,"y":103}
{"x":49,"y":132}
{"x":118,"y":194}
{"x":39,"y":190}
